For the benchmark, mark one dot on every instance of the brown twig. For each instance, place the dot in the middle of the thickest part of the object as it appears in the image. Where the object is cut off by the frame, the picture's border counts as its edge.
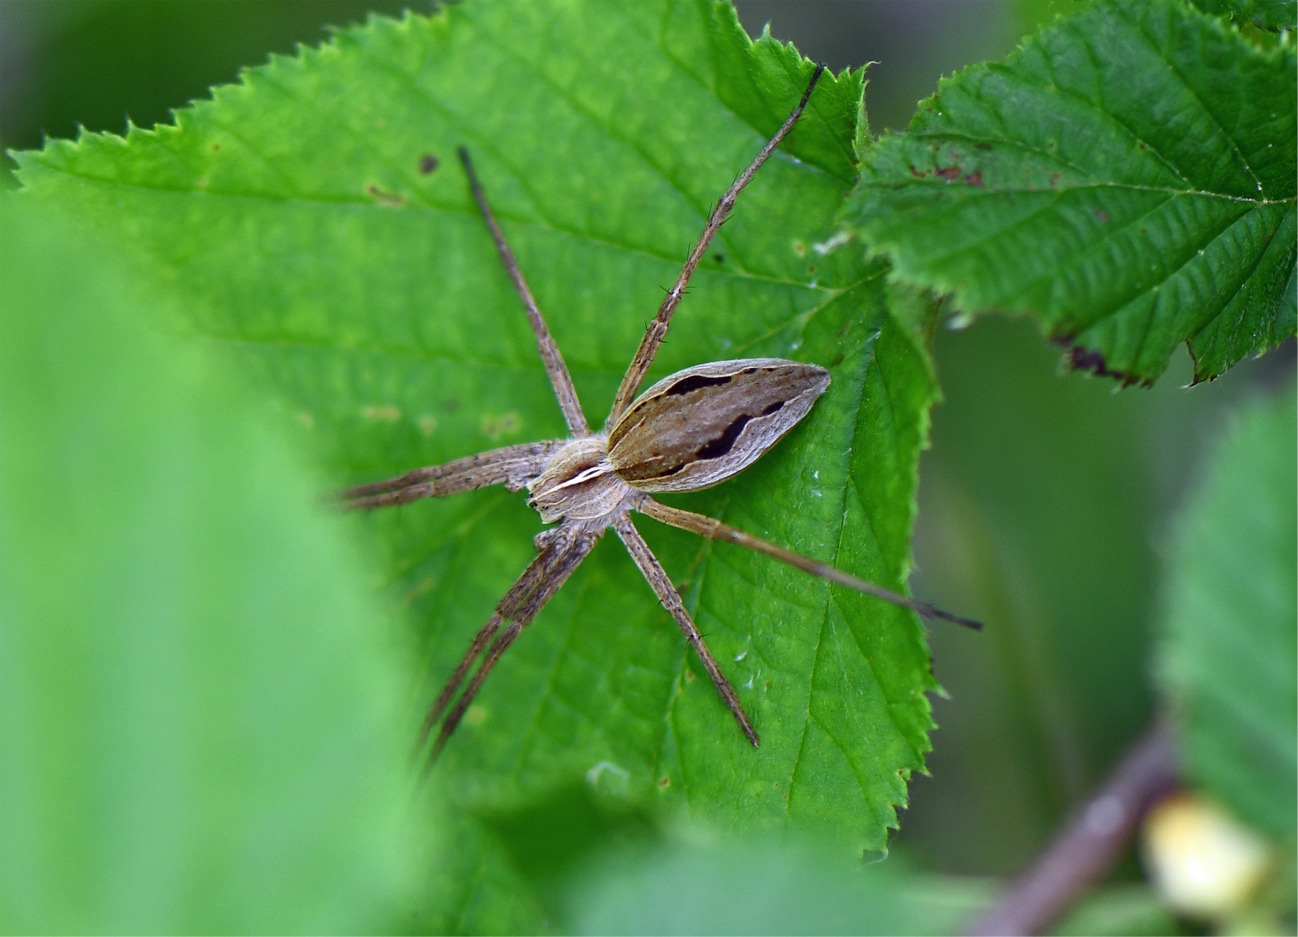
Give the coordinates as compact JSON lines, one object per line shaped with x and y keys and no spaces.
{"x":1090,"y":845}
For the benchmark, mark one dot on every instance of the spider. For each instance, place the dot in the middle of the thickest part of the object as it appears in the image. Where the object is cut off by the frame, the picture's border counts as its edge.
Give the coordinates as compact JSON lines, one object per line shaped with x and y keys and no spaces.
{"x":689,"y":431}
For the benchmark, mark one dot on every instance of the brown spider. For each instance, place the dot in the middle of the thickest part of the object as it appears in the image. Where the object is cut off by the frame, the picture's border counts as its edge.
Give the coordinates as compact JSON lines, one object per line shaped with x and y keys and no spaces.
{"x":689,"y":431}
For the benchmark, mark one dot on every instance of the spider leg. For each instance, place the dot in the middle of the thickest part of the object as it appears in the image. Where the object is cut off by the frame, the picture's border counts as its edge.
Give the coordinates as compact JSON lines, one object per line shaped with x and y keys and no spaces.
{"x":452,"y":720}
{"x":716,"y":530}
{"x":506,"y":609}
{"x":657,"y":578}
{"x":512,"y":466}
{"x":657,"y":330}
{"x":543,"y":577}
{"x":560,"y":380}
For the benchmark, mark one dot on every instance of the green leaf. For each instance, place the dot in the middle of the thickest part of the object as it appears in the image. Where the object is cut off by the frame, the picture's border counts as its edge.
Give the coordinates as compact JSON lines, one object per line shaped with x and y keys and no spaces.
{"x":323,"y":235}
{"x":1128,"y":177}
{"x":1229,"y":650}
{"x":199,"y":710}
{"x":757,"y":885}
{"x":1118,"y":909}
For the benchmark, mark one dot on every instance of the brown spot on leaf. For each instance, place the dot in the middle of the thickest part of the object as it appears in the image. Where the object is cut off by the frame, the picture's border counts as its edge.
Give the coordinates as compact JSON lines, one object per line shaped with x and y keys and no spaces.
{"x":1086,"y":359}
{"x":428,"y":163}
{"x":384,"y":196}
{"x":493,"y":427}
{"x":384,"y":413}
{"x":1093,"y":361}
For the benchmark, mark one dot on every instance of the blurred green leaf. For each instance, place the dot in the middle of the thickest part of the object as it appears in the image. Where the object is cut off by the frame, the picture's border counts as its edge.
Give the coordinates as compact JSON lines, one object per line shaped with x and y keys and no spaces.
{"x":1119,"y":910}
{"x":200,"y":712}
{"x":323,"y":236}
{"x":1128,"y":177}
{"x":763,"y":886}
{"x":1230,"y":650}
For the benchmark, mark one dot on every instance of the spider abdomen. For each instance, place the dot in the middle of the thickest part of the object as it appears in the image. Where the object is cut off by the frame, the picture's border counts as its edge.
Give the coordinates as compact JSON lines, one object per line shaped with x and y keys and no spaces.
{"x":700,"y":426}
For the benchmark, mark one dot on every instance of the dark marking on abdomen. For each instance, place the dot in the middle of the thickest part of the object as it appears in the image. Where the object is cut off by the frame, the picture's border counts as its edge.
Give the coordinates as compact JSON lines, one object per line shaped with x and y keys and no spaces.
{"x":696,"y":382}
{"x":726,"y":441}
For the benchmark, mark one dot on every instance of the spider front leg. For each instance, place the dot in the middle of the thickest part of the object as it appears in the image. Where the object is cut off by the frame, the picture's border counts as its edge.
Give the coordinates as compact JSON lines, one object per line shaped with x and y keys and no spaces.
{"x":657,"y":331}
{"x":560,"y":556}
{"x":658,"y":579}
{"x":557,"y":371}
{"x":512,"y":466}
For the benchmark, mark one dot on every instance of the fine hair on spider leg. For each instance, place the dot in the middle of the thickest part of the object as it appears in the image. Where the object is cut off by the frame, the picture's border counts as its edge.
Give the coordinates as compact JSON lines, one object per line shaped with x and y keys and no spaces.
{"x":690,"y":430}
